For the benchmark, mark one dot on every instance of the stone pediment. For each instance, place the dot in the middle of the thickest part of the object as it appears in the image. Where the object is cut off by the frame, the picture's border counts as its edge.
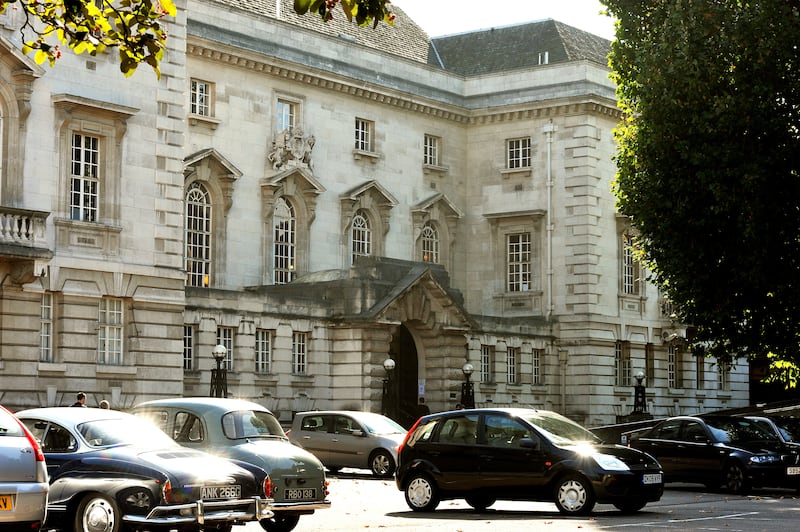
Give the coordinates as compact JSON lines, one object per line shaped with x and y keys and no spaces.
{"x":442,"y":203}
{"x":375,"y":190}
{"x":209,"y":165}
{"x":295,"y":182}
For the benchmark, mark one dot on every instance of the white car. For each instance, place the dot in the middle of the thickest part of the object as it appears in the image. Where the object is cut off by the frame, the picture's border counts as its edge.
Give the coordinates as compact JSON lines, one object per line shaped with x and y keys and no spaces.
{"x":346,"y":438}
{"x":23,"y":477}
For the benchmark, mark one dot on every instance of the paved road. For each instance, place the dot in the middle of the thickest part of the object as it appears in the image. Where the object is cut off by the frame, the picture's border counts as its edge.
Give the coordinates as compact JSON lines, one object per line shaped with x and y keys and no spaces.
{"x":361,"y":503}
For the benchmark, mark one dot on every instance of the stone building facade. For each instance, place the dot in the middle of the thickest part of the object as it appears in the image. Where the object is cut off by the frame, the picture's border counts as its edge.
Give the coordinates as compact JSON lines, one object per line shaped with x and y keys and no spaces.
{"x":318,"y":199}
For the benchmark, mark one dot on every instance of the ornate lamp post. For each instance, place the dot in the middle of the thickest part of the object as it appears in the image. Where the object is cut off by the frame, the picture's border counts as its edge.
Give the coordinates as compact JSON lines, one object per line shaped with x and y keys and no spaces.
{"x":639,"y":397}
{"x":387,"y":409}
{"x":467,"y":388}
{"x":219,"y":376}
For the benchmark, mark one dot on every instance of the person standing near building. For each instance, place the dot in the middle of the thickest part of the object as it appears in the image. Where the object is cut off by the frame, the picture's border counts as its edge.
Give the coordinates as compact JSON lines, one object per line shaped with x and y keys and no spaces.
{"x":422,"y":408}
{"x":81,"y":400}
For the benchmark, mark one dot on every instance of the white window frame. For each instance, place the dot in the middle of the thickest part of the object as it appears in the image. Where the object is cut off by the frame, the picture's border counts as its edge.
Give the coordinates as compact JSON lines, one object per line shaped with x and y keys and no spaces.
{"x":537,"y":358}
{"x":286,"y":114}
{"x":512,"y":365}
{"x":188,"y":348}
{"x":518,"y":153}
{"x":364,"y":135}
{"x":110,"y":332}
{"x":631,"y":269}
{"x":85,"y":169}
{"x":46,"y":353}
{"x":431,"y":150}
{"x":487,"y":364}
{"x":225,"y":338}
{"x":430,"y":243}
{"x":622,"y":364}
{"x":700,"y":372}
{"x":723,"y":376}
{"x":360,"y":236}
{"x":299,"y":353}
{"x":284,"y":246}
{"x":198,"y":235}
{"x":519,"y":265}
{"x":201,"y":99}
{"x":674,"y":366}
{"x":263,"y":350}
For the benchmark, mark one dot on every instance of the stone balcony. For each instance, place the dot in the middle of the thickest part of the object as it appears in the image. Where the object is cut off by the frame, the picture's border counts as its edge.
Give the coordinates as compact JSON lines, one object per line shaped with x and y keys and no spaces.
{"x":22,"y":239}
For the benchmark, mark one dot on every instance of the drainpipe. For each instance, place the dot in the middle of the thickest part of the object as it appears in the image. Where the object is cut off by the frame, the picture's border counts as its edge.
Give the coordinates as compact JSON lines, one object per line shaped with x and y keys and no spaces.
{"x":549,"y":129}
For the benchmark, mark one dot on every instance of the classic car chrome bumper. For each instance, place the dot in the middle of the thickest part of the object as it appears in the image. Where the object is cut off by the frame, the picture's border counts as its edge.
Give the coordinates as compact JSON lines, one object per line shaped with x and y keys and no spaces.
{"x":202,"y":512}
{"x":296,"y":506}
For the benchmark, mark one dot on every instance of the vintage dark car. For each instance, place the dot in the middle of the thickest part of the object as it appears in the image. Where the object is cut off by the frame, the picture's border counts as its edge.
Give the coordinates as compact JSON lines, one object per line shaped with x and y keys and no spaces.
{"x":717,"y":450}
{"x":486,"y":455}
{"x":110,"y":470}
{"x":247,"y":431}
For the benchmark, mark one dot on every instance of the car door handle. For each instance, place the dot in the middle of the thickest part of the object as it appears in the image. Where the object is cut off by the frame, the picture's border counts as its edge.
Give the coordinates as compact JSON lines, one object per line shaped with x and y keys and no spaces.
{"x":486,"y":457}
{"x":335,"y":440}
{"x":306,"y":437}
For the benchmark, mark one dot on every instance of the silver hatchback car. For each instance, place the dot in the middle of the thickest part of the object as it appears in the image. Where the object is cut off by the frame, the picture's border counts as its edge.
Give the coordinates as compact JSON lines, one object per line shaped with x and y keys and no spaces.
{"x":346,"y":438}
{"x":23,"y":477}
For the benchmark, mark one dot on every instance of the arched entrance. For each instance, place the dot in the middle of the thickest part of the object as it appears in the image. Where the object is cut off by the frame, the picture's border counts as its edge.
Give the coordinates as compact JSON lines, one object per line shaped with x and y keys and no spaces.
{"x":403,"y":383}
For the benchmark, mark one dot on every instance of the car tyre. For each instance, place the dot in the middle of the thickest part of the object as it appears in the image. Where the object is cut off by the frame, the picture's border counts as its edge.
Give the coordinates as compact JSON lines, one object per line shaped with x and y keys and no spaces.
{"x":735,"y":479}
{"x":97,"y":513}
{"x":421,"y":493}
{"x":573,"y":495}
{"x":280,"y":522}
{"x":480,"y":502}
{"x":630,"y":507}
{"x":381,"y":464}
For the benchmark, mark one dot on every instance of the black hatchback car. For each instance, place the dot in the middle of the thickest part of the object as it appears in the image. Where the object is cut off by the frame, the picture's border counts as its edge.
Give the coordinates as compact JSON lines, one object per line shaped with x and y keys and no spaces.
{"x":735,"y":452}
{"x":484,"y":455}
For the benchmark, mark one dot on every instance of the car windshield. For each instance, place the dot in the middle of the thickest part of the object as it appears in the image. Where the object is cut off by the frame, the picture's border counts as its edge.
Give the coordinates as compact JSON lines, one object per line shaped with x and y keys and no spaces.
{"x":790,"y":429}
{"x":128,"y":431}
{"x":738,"y":430}
{"x":8,"y":425}
{"x":560,"y":430}
{"x":382,"y":425}
{"x":243,"y":424}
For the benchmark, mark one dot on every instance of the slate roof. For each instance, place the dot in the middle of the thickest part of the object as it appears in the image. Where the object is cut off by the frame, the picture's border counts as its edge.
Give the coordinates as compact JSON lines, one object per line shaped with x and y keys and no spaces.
{"x":472,"y":53}
{"x":516,"y":47}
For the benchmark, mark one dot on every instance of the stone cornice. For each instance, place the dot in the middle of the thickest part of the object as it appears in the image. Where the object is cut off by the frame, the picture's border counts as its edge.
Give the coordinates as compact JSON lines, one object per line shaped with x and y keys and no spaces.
{"x":272,"y":66}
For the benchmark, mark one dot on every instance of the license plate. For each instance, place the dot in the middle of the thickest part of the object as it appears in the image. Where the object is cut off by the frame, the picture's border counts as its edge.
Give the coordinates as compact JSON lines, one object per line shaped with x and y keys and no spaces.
{"x":6,"y":503}
{"x":651,"y":478}
{"x":300,"y":494}
{"x":222,"y":492}
{"x":793,"y":470}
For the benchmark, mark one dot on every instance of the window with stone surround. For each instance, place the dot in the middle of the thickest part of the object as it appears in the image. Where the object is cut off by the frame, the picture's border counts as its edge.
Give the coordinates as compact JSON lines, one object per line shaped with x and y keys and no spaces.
{"x":198,"y":236}
{"x":674,"y":365}
{"x":622,"y":364}
{"x":429,"y":241}
{"x":631,"y":268}
{"x":360,"y":236}
{"x":299,"y":353}
{"x":263,"y":350}
{"x":225,"y":338}
{"x":188,"y":348}
{"x":364,"y":134}
{"x":431,"y":150}
{"x":538,"y":357}
{"x":201,"y":98}
{"x":286,"y":114}
{"x":723,"y":376}
{"x":700,"y":372}
{"x":518,"y":272}
{"x":487,"y":364}
{"x":46,"y":353}
{"x":284,"y":242}
{"x":512,"y":365}
{"x":110,"y":331}
{"x":85,"y":177}
{"x":518,"y":153}
{"x":650,"y":364}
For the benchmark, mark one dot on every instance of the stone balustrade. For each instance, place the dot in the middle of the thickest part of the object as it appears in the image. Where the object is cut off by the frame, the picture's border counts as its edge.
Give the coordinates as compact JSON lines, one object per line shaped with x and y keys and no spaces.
{"x":22,"y":227}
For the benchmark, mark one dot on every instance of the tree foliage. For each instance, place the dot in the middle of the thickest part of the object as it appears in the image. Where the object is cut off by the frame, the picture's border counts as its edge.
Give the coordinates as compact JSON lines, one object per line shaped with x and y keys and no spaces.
{"x":708,"y":166}
{"x":137,"y":28}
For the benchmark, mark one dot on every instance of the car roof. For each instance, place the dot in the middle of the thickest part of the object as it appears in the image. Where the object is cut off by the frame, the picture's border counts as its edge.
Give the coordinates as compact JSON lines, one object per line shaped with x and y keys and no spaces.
{"x":353,"y":413}
{"x":72,"y":414}
{"x":220,"y":404}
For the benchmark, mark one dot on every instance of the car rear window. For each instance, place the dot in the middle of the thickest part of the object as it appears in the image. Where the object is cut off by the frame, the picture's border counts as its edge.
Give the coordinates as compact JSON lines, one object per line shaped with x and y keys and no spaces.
{"x":251,"y":424}
{"x":9,"y":425}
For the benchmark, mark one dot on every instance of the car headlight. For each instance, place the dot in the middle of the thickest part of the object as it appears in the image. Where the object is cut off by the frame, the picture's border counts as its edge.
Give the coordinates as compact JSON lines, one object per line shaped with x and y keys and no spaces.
{"x":765,"y":459}
{"x":610,"y":462}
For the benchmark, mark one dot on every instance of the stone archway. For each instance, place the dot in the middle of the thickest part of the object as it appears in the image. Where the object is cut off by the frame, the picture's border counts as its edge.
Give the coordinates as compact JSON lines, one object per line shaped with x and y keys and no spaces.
{"x":403,"y":386}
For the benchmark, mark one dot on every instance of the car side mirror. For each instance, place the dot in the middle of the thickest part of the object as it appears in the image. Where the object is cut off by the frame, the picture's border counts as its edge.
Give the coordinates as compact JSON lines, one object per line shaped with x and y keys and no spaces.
{"x":699,"y":438}
{"x":529,"y":443}
{"x":358,"y":433}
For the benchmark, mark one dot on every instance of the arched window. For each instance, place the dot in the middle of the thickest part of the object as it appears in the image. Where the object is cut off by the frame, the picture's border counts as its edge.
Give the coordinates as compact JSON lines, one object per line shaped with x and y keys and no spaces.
{"x":198,"y":236}
{"x":284,"y":243}
{"x":430,"y":243}
{"x":360,"y":236}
